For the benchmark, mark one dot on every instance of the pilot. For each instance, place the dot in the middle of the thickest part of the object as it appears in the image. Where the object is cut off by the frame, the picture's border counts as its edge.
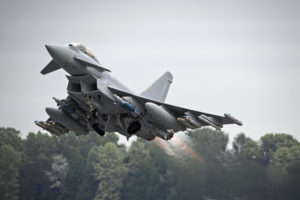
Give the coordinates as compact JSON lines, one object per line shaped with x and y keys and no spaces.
{"x":83,"y":48}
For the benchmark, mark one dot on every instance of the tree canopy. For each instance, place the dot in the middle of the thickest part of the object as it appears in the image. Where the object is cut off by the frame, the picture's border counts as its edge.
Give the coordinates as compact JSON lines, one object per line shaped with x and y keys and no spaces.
{"x":198,"y":164}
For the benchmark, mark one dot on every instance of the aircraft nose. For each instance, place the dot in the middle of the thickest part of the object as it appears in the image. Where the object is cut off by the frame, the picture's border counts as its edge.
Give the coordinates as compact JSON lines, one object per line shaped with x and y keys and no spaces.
{"x":58,"y":53}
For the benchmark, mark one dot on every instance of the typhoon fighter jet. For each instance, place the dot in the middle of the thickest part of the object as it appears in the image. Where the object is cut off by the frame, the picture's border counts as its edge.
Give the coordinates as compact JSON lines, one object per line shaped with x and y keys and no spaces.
{"x":98,"y":102}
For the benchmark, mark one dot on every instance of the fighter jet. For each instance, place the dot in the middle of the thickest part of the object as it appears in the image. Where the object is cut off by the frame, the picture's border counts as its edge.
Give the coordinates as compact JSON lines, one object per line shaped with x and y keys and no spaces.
{"x":98,"y":102}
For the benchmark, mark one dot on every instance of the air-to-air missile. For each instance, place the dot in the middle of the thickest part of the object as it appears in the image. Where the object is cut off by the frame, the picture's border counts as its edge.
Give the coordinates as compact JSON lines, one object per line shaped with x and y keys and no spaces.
{"x":189,"y":121}
{"x":185,"y":122}
{"x":124,"y":103}
{"x":64,"y":105}
{"x":209,"y":121}
{"x":52,"y":127}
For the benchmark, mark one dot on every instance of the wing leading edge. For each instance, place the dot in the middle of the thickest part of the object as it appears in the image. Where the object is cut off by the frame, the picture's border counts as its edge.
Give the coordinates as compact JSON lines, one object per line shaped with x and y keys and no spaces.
{"x":189,"y":118}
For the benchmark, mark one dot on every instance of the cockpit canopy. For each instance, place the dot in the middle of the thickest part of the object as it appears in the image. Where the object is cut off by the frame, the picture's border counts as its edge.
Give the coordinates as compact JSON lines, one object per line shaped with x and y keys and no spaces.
{"x":84,"y":49}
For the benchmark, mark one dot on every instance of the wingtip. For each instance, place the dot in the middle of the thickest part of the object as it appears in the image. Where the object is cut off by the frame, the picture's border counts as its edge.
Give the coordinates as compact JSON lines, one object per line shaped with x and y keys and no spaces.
{"x":236,"y":121}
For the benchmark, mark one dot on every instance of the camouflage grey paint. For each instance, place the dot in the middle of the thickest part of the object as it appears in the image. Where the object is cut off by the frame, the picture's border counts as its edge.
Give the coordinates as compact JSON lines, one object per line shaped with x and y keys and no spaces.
{"x":97,"y":101}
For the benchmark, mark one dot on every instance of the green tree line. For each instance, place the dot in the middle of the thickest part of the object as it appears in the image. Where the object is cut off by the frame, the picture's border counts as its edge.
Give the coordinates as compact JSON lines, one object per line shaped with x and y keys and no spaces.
{"x":42,"y":166}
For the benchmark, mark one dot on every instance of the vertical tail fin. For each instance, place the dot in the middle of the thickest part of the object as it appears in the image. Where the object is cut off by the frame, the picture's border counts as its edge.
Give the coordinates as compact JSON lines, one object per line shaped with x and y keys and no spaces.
{"x":159,"y":89}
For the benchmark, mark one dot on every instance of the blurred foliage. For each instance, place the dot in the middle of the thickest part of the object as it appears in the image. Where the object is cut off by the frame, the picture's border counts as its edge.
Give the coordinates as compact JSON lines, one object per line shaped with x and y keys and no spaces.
{"x":59,"y":171}
{"x":110,"y":172}
{"x":203,"y":165}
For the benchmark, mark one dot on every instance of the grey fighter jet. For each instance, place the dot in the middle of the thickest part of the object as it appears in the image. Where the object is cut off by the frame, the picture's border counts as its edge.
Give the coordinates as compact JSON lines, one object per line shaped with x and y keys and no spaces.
{"x":98,"y":102}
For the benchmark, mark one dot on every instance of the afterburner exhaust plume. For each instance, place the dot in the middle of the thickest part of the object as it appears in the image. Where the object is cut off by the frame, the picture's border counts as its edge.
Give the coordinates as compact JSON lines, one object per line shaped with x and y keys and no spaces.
{"x":176,"y":146}
{"x":163,"y":145}
{"x":177,"y":142}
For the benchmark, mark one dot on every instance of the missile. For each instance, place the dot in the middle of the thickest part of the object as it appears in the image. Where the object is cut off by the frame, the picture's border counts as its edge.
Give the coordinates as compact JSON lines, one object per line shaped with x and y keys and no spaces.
{"x":191,"y":118}
{"x":207,"y":121}
{"x":64,"y":105}
{"x":236,"y":121}
{"x":42,"y":124}
{"x":52,"y":127}
{"x":138,"y":107}
{"x":124,"y":103}
{"x":184,"y":122}
{"x":59,"y":127}
{"x":66,"y":120}
{"x":192,"y":121}
{"x":161,"y":116}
